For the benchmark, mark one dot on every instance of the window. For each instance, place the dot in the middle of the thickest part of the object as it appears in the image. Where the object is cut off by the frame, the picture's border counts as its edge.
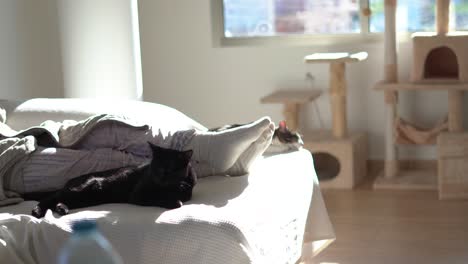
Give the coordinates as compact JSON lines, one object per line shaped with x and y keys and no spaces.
{"x":418,"y":15}
{"x":247,"y":19}
{"x":459,"y":14}
{"x":412,"y":15}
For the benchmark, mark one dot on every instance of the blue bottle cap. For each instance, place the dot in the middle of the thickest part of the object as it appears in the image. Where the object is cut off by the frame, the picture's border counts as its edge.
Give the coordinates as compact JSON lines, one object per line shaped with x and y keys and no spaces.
{"x":83,"y":226}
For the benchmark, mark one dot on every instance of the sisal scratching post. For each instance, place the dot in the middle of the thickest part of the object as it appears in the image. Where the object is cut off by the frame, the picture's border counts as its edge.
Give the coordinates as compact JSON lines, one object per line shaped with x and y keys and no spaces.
{"x":442,"y":16}
{"x":338,"y":99}
{"x":337,"y":87}
{"x":291,"y":115}
{"x":391,"y":97}
{"x":391,"y":167}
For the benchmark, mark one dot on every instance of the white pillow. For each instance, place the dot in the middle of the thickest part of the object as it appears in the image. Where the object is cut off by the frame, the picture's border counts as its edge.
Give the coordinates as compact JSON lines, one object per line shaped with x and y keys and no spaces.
{"x":2,"y":115}
{"x":6,"y":106}
{"x":35,"y":111}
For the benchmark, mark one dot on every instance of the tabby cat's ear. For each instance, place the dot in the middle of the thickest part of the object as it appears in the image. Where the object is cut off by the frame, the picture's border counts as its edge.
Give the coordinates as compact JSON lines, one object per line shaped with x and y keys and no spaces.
{"x":282,"y":126}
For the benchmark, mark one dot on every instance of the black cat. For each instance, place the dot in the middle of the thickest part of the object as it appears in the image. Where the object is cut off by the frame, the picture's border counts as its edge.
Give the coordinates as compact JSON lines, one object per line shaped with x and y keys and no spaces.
{"x":166,"y":181}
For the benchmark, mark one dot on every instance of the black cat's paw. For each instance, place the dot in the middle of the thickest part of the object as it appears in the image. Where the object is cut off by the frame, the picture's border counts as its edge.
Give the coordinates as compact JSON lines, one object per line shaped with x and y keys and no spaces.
{"x":38,"y":212}
{"x":176,"y":204}
{"x":61,"y":209}
{"x":171,"y":204}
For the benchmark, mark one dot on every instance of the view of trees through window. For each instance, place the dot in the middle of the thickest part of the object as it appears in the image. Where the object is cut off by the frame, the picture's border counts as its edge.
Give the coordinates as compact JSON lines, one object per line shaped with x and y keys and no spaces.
{"x":412,"y":15}
{"x":250,"y":18}
{"x":460,"y":14}
{"x":418,"y":15}
{"x":244,"y":18}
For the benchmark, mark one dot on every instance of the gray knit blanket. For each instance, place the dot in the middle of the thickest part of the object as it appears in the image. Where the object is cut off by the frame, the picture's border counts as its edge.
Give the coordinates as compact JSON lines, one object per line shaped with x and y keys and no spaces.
{"x":15,"y":145}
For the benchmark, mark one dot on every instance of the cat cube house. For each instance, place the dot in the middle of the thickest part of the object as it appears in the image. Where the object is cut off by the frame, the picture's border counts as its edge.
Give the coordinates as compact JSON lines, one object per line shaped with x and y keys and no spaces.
{"x":340,"y":163}
{"x":452,"y":166}
{"x":442,"y":58}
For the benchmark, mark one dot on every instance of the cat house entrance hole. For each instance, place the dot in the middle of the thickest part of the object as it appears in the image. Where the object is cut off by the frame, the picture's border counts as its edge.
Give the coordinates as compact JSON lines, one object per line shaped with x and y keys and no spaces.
{"x":326,"y":165}
{"x":441,"y":63}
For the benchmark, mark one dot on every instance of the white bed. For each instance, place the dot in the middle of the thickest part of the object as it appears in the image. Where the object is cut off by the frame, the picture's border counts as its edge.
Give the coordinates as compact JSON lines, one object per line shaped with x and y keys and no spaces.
{"x":274,"y":214}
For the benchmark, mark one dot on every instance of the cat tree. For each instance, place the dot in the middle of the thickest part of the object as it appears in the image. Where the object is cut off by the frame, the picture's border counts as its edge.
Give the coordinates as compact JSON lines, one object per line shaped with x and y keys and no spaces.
{"x":339,"y":156}
{"x":440,"y":62}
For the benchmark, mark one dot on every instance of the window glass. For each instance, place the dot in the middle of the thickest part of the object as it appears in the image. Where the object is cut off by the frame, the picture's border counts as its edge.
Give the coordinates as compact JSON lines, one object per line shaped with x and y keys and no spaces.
{"x":412,"y":15}
{"x":252,"y":18}
{"x":459,"y":14}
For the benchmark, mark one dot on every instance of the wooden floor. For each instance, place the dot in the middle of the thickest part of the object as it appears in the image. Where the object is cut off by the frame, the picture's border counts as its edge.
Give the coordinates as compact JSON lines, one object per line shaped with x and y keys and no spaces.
{"x":380,"y":227}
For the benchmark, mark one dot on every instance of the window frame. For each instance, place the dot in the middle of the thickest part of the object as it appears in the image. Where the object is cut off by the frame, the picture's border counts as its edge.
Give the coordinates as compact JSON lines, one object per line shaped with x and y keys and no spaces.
{"x":220,"y":40}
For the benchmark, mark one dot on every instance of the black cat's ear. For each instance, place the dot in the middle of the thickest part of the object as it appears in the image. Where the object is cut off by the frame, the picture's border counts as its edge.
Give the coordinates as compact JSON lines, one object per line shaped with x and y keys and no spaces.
{"x":187,"y":155}
{"x":38,"y":212}
{"x":154,"y":147}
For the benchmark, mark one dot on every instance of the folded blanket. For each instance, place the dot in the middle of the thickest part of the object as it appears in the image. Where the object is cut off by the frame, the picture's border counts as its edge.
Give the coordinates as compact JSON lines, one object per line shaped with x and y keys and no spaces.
{"x":15,"y":145}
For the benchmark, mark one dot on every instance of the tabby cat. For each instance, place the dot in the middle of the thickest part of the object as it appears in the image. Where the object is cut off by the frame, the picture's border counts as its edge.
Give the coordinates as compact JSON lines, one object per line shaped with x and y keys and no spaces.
{"x":284,"y":140}
{"x":167,"y":181}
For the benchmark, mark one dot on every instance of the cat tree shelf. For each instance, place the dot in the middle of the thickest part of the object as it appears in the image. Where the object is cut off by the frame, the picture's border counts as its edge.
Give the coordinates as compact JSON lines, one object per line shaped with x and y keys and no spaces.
{"x":338,"y":57}
{"x":409,"y":179}
{"x":291,"y":100}
{"x":421,"y":86}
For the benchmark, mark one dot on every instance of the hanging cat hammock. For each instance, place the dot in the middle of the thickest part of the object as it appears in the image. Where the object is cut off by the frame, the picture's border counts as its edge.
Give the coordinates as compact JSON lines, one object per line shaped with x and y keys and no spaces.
{"x":410,"y":134}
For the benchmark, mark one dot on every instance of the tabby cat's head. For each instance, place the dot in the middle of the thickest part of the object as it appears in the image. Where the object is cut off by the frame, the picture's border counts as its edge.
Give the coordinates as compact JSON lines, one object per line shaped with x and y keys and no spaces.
{"x":169,"y":166}
{"x":286,"y":136}
{"x":284,"y":140}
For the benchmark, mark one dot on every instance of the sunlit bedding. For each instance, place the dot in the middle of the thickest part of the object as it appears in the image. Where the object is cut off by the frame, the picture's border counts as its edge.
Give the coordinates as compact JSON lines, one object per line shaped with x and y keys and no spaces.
{"x":275,"y":214}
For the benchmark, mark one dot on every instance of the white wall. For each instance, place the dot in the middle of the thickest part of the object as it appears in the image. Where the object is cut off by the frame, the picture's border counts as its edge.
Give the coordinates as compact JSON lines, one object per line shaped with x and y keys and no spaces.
{"x":68,"y":48}
{"x":29,"y":49}
{"x":182,"y":68}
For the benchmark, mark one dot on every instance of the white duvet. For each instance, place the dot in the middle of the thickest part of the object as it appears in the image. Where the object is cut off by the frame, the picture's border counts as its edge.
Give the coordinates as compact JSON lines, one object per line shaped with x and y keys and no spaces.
{"x":257,"y":218}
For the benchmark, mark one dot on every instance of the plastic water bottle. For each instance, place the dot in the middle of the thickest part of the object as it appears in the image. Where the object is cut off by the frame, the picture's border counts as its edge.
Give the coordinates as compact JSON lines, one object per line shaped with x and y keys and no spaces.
{"x":88,"y":246}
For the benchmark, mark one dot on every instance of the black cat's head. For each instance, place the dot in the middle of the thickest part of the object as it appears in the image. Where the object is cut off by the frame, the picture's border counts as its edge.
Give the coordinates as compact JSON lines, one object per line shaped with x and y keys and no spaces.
{"x":169,"y":166}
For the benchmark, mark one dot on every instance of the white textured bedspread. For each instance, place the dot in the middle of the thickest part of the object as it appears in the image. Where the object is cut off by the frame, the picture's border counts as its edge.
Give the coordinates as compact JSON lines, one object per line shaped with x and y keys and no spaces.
{"x":257,"y":218}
